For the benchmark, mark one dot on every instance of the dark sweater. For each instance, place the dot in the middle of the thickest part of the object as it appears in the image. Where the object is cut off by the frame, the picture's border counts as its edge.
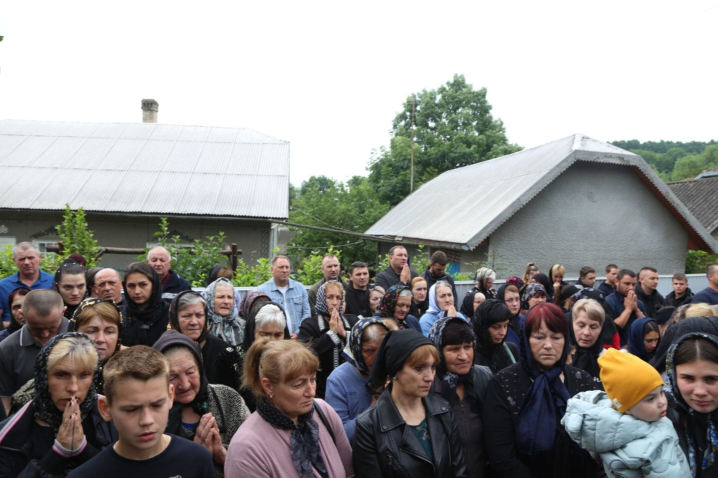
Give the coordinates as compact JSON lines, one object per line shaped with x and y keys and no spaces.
{"x":653,"y":301}
{"x":686,"y":298}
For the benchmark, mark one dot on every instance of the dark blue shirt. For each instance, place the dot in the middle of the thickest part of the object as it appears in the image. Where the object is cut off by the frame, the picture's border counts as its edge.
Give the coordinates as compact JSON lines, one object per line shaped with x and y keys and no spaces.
{"x":10,"y":283}
{"x":706,"y":296}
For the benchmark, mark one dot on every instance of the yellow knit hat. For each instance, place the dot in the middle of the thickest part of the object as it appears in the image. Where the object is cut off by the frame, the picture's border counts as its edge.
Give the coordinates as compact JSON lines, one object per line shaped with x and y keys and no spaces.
{"x":626,"y":378}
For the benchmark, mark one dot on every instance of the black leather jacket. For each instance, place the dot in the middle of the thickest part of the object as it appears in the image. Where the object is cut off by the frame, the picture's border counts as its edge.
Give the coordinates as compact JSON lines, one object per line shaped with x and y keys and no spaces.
{"x":385,"y":447}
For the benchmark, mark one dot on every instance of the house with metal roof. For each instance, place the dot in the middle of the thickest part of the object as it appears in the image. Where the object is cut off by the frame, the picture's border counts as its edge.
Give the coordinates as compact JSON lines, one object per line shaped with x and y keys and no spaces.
{"x":576,"y":201}
{"x":126,"y":176}
{"x":700,"y":196}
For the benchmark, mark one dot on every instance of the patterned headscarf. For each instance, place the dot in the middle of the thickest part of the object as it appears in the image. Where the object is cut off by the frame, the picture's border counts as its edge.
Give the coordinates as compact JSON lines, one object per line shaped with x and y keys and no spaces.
{"x":45,"y":408}
{"x":711,"y":431}
{"x":530,"y":291}
{"x":436,"y":335}
{"x":355,"y":339}
{"x":250,"y":299}
{"x":321,"y":304}
{"x":229,"y":328}
{"x":515,"y":281}
{"x":387,"y":306}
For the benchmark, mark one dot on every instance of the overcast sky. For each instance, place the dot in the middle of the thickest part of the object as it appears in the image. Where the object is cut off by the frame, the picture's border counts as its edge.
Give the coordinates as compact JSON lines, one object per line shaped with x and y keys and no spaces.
{"x":329,"y":77}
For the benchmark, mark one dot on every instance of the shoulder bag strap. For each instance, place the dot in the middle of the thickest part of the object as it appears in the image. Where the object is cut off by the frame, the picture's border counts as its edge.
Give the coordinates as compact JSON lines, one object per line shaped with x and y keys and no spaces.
{"x":324,"y":420}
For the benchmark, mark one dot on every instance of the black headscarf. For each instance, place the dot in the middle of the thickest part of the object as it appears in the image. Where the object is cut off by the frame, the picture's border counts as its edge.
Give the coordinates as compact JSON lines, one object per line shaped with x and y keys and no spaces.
{"x":396,"y":347}
{"x":467,"y":305}
{"x":707,"y":325}
{"x":140,"y":321}
{"x":45,"y":408}
{"x":252,"y":324}
{"x":174,"y":318}
{"x":490,"y":312}
{"x":173,"y":338}
{"x":543,"y":279}
{"x":586,"y":358}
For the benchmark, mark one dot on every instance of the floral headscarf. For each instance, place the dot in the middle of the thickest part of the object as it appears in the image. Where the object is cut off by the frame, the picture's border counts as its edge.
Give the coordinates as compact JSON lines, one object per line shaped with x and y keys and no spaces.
{"x":387,"y":306}
{"x":229,"y":328}
{"x":45,"y":408}
{"x":355,"y":341}
{"x":321,"y":304}
{"x":530,"y":291}
{"x":711,"y":432}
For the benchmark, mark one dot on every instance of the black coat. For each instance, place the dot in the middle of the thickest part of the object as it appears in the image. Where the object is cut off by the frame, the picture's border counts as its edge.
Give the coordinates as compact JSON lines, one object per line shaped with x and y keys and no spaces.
{"x":652,"y":302}
{"x":385,"y":447}
{"x":694,"y":426}
{"x":501,"y":409}
{"x":686,"y":299}
{"x":326,"y":344}
{"x":357,"y":301}
{"x":388,"y":277}
{"x":175,"y":284}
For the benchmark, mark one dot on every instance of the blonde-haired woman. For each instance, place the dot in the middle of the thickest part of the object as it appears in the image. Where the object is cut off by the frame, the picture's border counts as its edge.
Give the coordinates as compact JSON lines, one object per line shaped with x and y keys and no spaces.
{"x":291,"y":434}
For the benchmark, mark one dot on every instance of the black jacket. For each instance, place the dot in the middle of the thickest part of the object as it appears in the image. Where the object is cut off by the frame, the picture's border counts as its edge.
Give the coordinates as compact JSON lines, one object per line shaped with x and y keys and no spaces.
{"x":357,"y":301}
{"x":388,"y":277}
{"x":693,"y":428}
{"x":501,"y":409}
{"x":686,"y":299}
{"x":606,"y":289}
{"x":431,"y":280}
{"x":652,"y":302}
{"x":174,"y":286}
{"x":385,"y":447}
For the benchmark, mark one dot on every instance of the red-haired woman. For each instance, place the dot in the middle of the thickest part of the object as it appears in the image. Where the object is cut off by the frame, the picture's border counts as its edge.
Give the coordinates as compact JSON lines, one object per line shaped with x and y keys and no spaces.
{"x":526,"y":401}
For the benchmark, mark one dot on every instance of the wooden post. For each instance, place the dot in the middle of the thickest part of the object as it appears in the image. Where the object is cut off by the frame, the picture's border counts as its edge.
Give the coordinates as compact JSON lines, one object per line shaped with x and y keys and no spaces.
{"x":233,"y":257}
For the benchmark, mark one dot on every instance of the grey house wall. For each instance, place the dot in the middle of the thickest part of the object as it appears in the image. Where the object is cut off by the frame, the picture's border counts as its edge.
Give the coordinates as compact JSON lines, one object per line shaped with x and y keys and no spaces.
{"x":252,"y":237}
{"x":593,"y":214}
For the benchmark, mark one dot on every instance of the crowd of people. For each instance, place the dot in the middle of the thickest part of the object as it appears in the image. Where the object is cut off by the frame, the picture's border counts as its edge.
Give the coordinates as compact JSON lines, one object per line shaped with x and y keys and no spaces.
{"x":139,"y":375}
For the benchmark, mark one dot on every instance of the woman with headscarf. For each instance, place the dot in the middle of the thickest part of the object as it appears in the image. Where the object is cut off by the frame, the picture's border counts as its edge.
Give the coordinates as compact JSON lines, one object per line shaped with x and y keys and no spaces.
{"x":491,"y":326}
{"x":147,"y":312}
{"x":206,"y":413}
{"x":463,"y":385}
{"x":61,"y":428}
{"x":585,"y":329}
{"x":545,"y":282}
{"x":407,"y":413}
{"x":485,"y":278}
{"x":533,"y":294}
{"x":252,"y":299}
{"x":346,"y":386}
{"x":224,"y":323}
{"x":291,"y":434}
{"x":71,"y":284}
{"x":17,"y":319}
{"x":691,"y":369}
{"x":706,"y":325}
{"x":471,"y":302}
{"x":441,"y":304}
{"x":526,"y":402}
{"x":643,"y":338}
{"x":565,"y":299}
{"x":328,"y":331}
{"x":395,"y":305}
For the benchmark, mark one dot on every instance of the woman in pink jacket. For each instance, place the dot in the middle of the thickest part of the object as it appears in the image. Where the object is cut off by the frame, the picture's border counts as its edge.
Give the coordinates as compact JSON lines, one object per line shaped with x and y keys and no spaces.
{"x":291,"y":434}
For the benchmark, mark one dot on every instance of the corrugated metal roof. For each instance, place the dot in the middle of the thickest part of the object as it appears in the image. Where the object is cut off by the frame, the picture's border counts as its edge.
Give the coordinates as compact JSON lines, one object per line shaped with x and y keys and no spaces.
{"x":492,"y":191}
{"x":143,"y":168}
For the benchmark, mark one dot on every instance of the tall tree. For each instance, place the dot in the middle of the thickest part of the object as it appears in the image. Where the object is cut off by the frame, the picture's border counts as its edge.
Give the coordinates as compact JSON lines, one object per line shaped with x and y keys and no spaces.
{"x":454,"y":127}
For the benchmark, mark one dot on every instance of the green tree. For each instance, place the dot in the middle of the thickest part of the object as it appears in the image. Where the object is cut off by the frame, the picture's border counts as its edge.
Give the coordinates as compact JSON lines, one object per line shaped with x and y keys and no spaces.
{"x":454,"y":127}
{"x":76,"y":237}
{"x":324,"y":202}
{"x":692,"y":165}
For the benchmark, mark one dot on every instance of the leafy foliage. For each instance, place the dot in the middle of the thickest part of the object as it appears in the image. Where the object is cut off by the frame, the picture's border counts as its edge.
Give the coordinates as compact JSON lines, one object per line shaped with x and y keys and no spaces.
{"x":310,"y":269}
{"x":675,"y":161}
{"x":257,"y":275}
{"x":76,"y":237}
{"x":697,"y":261}
{"x":453,"y":128}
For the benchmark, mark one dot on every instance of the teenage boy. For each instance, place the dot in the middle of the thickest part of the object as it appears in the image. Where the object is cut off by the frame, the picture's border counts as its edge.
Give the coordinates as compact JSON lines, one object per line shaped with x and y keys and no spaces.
{"x":682,"y":294}
{"x":138,"y":401}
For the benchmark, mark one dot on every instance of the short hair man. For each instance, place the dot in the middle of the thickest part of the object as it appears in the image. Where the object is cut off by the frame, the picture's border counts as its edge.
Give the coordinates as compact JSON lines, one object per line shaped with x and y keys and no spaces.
{"x":27,"y":259}
{"x":43,"y":311}
{"x":357,"y":298}
{"x":138,"y":398}
{"x":288,"y":293}
{"x":681,"y":293}
{"x":437,"y":271}
{"x":646,"y":291}
{"x":108,"y":285}
{"x":608,"y":286}
{"x":586,"y":278}
{"x":398,"y":271}
{"x":624,"y":303}
{"x":709,"y":295}
{"x":330,"y":271}
{"x":172,"y":283}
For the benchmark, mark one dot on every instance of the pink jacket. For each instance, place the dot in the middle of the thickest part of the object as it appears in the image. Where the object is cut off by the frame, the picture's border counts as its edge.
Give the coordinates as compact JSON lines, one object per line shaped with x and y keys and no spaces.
{"x":259,"y":450}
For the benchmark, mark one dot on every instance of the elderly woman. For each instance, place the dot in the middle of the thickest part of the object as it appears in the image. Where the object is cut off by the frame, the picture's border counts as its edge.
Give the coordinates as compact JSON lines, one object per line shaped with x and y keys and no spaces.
{"x":485,"y":278}
{"x":224,"y":322}
{"x":346,"y":386}
{"x":61,"y":428}
{"x":585,"y":330}
{"x":533,"y":294}
{"x":328,"y":331}
{"x":526,"y":402}
{"x":643,"y":338}
{"x":17,"y":319}
{"x":407,"y":414}
{"x":419,"y":302}
{"x":147,"y":312}
{"x":491,"y":326}
{"x":395,"y":306}
{"x":463,"y":385}
{"x":205,"y":413}
{"x":692,"y":368}
{"x":291,"y":433}
{"x":71,"y":284}
{"x":441,"y":304}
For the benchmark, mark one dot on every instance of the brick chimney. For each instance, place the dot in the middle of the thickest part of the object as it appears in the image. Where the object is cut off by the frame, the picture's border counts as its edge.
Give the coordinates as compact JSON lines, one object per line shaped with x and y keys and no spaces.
{"x":149,"y":111}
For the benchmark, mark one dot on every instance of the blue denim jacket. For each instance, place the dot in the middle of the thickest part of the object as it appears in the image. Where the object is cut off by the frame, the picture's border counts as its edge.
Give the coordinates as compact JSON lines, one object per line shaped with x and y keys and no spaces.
{"x":297,"y":303}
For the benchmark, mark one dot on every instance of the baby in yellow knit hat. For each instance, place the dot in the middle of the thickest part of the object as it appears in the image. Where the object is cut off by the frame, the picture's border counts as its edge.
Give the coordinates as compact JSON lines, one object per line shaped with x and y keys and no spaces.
{"x":625,"y":425}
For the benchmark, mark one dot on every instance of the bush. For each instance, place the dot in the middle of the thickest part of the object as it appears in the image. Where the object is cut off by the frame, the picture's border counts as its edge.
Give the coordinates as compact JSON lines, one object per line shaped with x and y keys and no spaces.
{"x":697,"y":261}
{"x":76,"y":238}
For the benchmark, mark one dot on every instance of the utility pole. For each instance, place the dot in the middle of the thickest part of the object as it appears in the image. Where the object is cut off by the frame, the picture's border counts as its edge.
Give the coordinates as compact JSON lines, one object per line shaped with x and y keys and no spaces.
{"x":413,"y":109}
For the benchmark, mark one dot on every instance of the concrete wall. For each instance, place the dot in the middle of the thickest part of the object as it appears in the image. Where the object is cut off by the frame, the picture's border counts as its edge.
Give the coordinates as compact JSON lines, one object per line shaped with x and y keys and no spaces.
{"x":593,"y":214}
{"x":252,"y":237}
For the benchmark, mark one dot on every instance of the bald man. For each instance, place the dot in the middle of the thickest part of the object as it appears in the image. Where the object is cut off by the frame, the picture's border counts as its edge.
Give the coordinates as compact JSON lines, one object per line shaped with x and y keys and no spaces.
{"x":172,"y":283}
